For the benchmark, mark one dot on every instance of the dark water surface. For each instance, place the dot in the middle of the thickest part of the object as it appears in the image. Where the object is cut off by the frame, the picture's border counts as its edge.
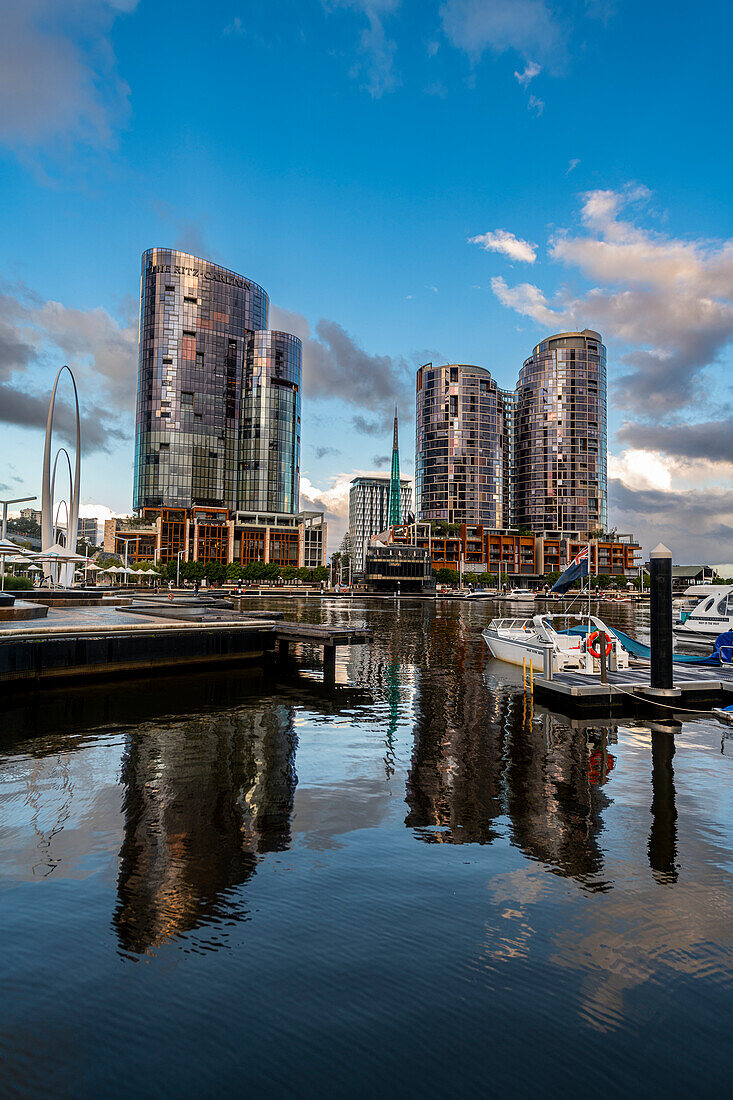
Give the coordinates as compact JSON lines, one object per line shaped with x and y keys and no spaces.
{"x":410,"y":884}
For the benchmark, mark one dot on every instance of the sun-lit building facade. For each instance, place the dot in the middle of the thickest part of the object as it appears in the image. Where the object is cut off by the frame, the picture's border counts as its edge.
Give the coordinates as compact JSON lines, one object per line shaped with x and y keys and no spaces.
{"x":560,"y":478}
{"x":218,"y":402}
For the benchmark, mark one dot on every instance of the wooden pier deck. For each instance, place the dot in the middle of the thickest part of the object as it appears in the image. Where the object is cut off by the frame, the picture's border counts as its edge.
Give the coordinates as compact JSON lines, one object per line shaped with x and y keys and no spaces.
{"x":327,"y":635}
{"x":698,"y":687}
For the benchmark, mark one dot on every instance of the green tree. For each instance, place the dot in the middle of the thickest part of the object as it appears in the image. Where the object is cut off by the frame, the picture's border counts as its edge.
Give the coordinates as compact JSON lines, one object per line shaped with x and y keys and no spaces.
{"x":320,"y":573}
{"x":192,"y":570}
{"x":470,"y":578}
{"x":234,"y":572}
{"x":447,"y":576}
{"x":487,"y":578}
{"x":305,"y":574}
{"x":253,"y":571}
{"x":289,"y":573}
{"x":215,"y":572}
{"x":551,"y":577}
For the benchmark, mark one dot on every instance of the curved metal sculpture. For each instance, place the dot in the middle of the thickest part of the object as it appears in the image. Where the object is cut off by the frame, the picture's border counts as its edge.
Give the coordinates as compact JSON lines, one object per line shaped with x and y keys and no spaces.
{"x":47,"y":486}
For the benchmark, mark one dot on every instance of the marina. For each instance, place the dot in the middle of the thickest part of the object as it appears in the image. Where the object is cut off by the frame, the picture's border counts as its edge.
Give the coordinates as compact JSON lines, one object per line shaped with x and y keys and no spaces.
{"x":421,"y":827}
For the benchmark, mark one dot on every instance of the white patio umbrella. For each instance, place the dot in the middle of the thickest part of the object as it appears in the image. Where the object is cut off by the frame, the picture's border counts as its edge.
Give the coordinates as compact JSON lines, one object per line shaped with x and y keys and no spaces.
{"x":8,"y":548}
{"x":92,"y":567}
{"x":59,"y":555}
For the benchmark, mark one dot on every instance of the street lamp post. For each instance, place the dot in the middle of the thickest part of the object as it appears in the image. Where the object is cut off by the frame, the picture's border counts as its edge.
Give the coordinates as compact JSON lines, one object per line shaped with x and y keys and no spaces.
{"x":178,"y":567}
{"x":5,"y":503}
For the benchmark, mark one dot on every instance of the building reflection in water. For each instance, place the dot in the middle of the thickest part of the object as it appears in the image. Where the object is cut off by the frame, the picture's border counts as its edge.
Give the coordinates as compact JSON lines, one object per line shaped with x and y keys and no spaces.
{"x":484,"y":764}
{"x":204,"y":798}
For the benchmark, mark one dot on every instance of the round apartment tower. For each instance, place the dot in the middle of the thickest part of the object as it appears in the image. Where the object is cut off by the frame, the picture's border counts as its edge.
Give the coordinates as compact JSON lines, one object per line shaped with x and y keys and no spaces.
{"x":461,"y":448}
{"x":560,"y":435}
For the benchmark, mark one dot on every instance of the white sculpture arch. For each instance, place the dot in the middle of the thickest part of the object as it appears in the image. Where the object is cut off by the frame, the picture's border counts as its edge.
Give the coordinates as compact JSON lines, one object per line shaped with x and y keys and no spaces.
{"x":48,"y":485}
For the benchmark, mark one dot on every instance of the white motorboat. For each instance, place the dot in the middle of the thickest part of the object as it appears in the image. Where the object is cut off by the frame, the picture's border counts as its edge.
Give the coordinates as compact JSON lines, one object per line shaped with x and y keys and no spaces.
{"x":518,"y":595}
{"x":519,"y":641}
{"x":480,"y":594}
{"x":712,"y":616}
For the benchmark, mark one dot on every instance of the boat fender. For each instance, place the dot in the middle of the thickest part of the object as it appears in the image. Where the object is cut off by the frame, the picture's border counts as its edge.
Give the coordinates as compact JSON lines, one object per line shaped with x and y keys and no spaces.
{"x":591,"y":646}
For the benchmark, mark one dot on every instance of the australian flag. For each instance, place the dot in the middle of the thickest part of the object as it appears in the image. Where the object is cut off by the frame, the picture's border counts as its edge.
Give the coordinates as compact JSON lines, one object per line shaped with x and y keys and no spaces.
{"x":578,"y":568}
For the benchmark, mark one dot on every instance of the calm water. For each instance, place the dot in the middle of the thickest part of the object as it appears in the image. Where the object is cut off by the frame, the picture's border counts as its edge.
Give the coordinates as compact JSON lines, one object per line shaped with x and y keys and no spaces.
{"x":411,"y":884}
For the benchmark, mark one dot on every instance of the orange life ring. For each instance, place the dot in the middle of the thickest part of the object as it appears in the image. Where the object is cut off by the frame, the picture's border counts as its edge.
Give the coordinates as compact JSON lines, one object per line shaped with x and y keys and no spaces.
{"x":590,"y":644}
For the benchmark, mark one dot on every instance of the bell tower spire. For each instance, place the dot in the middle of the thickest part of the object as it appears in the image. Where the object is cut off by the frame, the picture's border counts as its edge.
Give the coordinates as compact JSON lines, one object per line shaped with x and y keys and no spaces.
{"x":395,"y":502}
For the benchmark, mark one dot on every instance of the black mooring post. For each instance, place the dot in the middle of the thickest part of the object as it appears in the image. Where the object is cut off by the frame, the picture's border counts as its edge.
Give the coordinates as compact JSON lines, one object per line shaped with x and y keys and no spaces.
{"x":660,"y":593}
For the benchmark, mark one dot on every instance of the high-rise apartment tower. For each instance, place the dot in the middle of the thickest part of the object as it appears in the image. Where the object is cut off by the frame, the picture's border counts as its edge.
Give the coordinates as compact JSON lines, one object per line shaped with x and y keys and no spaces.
{"x":462,"y":446}
{"x":560,"y":478}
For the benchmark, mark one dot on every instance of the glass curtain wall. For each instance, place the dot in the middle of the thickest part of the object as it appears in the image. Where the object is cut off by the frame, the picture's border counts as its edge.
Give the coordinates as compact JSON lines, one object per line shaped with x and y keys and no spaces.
{"x":460,"y":446}
{"x":561,"y":439}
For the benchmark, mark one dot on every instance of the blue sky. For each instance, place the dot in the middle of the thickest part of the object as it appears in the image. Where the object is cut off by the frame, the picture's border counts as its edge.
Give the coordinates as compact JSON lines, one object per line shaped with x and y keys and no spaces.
{"x":345,"y":154}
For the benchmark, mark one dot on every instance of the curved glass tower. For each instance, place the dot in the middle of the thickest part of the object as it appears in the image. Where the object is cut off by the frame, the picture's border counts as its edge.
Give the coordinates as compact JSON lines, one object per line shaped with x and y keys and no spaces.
{"x":269,"y":454}
{"x":461,"y":439}
{"x":560,"y":424}
{"x":212,"y":382}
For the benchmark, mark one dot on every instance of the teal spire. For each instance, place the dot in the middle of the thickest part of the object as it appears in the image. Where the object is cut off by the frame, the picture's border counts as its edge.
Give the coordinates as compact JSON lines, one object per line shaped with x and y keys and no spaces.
{"x":395,"y":504}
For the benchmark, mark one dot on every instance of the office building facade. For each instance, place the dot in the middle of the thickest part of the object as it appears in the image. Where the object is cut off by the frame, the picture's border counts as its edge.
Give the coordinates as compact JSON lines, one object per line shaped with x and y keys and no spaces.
{"x":560,"y":479}
{"x":218,"y":402}
{"x":369,"y":510}
{"x":462,"y":440}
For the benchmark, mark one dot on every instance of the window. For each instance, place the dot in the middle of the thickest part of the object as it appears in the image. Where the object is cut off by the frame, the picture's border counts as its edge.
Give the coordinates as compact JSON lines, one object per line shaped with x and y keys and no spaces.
{"x":186,"y":398}
{"x":188,"y":332}
{"x":190,"y":300}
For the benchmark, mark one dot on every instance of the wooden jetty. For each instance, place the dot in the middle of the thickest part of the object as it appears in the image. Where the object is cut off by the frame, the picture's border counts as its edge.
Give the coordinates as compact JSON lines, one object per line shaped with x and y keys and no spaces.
{"x":697,"y":687}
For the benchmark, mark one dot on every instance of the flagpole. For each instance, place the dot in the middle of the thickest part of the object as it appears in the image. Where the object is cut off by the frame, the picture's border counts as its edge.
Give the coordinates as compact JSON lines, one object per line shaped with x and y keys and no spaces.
{"x":589,"y":587}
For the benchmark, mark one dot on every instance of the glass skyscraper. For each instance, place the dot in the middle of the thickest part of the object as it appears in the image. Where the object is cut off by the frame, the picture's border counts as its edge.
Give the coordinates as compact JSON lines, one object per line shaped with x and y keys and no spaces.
{"x":560,"y":443}
{"x":218,"y":402}
{"x":461,"y":453}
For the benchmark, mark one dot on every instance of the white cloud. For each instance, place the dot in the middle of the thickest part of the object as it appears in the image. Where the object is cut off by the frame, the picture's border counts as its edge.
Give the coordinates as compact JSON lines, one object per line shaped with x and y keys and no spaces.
{"x":669,"y":300}
{"x":640,"y":469}
{"x":501,"y":240}
{"x":59,"y":81}
{"x":526,"y":26}
{"x":376,"y":50}
{"x":572,"y":164}
{"x":526,"y":299}
{"x":535,"y":105}
{"x":531,"y":70}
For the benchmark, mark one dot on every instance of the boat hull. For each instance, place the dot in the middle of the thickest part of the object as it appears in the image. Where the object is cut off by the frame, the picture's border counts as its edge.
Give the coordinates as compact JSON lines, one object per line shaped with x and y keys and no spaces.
{"x":516,"y":653}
